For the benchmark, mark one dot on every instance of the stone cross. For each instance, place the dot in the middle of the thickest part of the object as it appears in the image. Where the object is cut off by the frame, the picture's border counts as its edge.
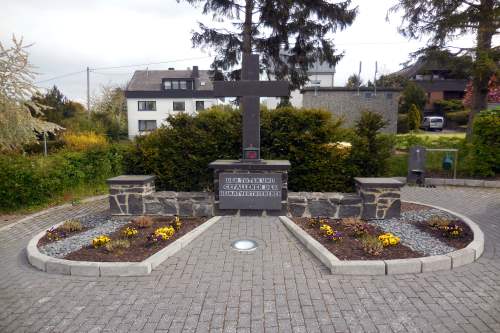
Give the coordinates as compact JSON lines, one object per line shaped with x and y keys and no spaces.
{"x":250,"y":89}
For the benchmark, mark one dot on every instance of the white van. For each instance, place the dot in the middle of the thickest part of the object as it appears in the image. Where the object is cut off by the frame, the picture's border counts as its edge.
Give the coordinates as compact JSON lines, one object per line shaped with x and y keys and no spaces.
{"x":433,"y":123}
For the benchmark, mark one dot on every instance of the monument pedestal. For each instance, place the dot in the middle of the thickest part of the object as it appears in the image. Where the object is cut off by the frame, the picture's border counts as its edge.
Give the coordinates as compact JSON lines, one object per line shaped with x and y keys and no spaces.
{"x":250,"y":187}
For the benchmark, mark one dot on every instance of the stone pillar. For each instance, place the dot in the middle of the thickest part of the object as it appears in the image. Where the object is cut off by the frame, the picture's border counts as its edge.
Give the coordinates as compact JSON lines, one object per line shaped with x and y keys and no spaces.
{"x":381,"y":197}
{"x":127,"y":194}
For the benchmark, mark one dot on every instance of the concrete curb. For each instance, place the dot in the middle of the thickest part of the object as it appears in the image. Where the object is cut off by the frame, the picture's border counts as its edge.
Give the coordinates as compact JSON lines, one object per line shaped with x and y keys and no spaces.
{"x":89,"y":268}
{"x":395,"y":266}
{"x":457,"y":182}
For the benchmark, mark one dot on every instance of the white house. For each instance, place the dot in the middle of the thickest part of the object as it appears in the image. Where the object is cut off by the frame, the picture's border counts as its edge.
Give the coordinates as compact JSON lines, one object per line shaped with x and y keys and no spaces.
{"x":320,"y":75}
{"x":153,"y":95}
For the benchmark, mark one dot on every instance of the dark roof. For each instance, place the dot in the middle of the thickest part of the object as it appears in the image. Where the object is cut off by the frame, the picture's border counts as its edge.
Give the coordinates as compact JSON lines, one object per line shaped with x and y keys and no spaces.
{"x":349,"y":89}
{"x":442,"y":85}
{"x":151,"y":80}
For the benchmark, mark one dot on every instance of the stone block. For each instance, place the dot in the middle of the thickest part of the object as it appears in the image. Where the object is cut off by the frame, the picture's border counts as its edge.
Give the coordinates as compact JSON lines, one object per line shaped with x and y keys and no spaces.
{"x":121,"y":198}
{"x":462,"y":257}
{"x":403,"y":266}
{"x":35,"y":257}
{"x":492,"y":183}
{"x":114,"y":207}
{"x":395,"y":195}
{"x":168,"y":206}
{"x":124,"y":269}
{"x":322,"y":208}
{"x":296,"y":210}
{"x":350,"y":199}
{"x":478,"y":247}
{"x":349,"y":211}
{"x":474,"y":182}
{"x":84,"y":268}
{"x":369,"y":211}
{"x":359,"y":267}
{"x":57,"y":266}
{"x":185,"y":208}
{"x":435,"y":263}
{"x":203,"y":209}
{"x":454,"y":182}
{"x":153,"y":208}
{"x":367,"y":197}
{"x":394,"y":211}
{"x":135,"y":204}
{"x":294,"y":198}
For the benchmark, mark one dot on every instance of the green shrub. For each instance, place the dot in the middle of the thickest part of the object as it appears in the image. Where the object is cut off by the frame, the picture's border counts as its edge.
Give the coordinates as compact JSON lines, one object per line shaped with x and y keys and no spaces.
{"x":371,"y":150}
{"x":485,"y":148}
{"x":403,"y":124}
{"x":414,"y":118}
{"x":33,"y":180}
{"x":443,"y":107}
{"x":458,"y":118}
{"x":179,"y":154}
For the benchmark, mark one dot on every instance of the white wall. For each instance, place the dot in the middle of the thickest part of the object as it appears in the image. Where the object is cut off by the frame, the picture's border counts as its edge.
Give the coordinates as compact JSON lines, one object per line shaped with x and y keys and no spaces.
{"x":164,"y":108}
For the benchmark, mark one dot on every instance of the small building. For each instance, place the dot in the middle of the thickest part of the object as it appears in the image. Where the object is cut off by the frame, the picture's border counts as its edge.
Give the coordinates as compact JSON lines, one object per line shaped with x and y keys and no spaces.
{"x":153,"y":95}
{"x":348,"y":104}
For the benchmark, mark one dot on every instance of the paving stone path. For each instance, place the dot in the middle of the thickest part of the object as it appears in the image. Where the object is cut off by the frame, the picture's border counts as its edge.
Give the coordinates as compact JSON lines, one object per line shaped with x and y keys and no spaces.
{"x":207,"y":287}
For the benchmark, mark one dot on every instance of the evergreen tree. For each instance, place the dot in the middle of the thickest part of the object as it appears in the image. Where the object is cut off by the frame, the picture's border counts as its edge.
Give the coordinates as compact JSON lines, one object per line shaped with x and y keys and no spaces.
{"x":412,"y":95}
{"x":354,"y":81}
{"x":441,"y":21}
{"x":414,"y":118}
{"x":60,"y":107}
{"x":290,"y":36}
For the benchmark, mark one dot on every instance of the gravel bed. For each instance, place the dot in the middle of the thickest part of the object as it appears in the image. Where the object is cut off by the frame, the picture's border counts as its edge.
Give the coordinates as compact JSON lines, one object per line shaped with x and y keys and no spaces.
{"x":100,"y":224}
{"x":413,"y":237}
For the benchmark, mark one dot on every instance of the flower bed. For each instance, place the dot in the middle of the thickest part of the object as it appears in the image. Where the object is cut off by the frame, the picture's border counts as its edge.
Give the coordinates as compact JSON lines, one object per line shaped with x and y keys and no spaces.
{"x":67,"y":229}
{"x":136,"y":240}
{"x":420,"y":232}
{"x":349,"y":246}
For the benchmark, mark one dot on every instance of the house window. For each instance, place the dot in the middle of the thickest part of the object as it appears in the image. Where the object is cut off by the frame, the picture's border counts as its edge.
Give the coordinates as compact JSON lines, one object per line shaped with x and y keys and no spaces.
{"x":388,"y":95}
{"x":147,"y":125}
{"x":175,"y":84}
{"x":146,"y":105}
{"x":200,"y":105}
{"x":179,"y":106}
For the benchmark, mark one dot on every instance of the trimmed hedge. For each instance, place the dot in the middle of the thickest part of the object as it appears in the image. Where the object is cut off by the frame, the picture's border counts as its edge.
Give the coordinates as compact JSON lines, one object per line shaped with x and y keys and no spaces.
{"x":179,"y":154}
{"x":33,"y":180}
{"x":458,"y":118}
{"x":485,"y":149}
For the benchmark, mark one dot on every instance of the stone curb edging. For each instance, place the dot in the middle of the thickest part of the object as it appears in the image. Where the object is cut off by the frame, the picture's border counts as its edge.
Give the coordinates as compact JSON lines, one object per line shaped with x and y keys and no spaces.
{"x":51,"y":209}
{"x":458,"y":182}
{"x":447,"y":261}
{"x":88,"y":268}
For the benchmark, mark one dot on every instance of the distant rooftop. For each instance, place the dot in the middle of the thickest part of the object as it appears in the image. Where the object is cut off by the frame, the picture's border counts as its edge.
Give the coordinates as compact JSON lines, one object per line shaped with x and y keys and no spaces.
{"x":151,"y":80}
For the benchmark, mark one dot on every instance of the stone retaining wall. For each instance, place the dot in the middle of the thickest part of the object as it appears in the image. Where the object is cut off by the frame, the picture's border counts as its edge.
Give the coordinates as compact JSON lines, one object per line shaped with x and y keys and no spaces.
{"x":376,"y":199}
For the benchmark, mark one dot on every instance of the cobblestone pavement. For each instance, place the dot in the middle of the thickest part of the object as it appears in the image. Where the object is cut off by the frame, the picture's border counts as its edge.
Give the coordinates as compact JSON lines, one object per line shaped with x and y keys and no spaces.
{"x":279,"y":287}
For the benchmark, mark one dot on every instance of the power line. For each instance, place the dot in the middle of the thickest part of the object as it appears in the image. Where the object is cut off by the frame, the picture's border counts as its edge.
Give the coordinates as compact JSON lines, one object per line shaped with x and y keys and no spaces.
{"x":123,"y":66}
{"x":60,"y":76}
{"x":151,"y":63}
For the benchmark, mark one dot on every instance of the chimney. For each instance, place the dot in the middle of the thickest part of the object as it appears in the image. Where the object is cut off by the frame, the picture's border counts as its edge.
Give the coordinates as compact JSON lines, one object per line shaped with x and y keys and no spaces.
{"x":195,"y":73}
{"x":171,"y":68}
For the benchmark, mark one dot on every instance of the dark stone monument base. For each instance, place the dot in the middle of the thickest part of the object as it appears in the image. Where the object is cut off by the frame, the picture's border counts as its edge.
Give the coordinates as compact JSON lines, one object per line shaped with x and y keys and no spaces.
{"x":381,"y":197}
{"x":255,"y":168}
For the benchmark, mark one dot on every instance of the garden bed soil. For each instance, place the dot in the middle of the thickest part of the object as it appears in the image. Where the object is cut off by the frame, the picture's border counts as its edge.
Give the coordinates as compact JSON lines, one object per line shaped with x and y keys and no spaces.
{"x":408,"y":206}
{"x":45,"y":240}
{"x":139,"y":248}
{"x":458,"y":243}
{"x":350,"y":248}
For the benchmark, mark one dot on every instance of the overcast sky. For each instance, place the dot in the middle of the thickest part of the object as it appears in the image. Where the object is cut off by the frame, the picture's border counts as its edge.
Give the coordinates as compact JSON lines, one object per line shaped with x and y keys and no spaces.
{"x":68,"y":36}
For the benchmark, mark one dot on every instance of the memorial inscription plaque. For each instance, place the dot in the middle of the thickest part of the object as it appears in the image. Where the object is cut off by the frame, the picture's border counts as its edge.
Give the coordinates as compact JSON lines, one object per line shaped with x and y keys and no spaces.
{"x":250,"y":191}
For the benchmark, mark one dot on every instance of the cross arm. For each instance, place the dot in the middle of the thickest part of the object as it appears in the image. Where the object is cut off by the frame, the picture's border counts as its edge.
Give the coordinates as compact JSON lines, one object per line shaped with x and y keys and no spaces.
{"x":251,"y":88}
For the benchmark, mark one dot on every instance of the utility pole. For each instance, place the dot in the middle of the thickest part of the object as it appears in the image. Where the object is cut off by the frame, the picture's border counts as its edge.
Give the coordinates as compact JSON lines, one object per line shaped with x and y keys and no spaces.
{"x":359,"y":77}
{"x":88,"y":92}
{"x":375,"y":79}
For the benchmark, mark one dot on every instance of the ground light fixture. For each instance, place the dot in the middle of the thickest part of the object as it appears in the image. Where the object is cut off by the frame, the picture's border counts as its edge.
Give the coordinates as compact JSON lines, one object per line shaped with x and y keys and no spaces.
{"x":245,"y":245}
